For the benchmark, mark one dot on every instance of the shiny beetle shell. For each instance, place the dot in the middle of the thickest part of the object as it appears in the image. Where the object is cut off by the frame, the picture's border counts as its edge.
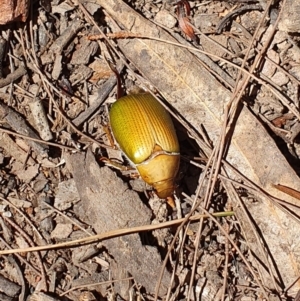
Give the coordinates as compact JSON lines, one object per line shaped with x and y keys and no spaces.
{"x":145,"y":133}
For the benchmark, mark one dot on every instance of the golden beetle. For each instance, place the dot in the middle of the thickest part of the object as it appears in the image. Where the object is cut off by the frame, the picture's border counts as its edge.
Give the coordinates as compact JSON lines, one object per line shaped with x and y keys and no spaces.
{"x":145,"y":133}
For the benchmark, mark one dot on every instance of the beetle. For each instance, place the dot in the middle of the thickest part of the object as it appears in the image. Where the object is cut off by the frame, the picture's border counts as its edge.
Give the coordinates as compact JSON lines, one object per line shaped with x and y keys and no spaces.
{"x":145,"y":133}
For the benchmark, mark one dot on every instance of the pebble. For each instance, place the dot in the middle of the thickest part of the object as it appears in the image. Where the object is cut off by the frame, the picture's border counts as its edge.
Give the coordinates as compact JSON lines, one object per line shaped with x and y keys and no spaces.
{"x":164,"y":18}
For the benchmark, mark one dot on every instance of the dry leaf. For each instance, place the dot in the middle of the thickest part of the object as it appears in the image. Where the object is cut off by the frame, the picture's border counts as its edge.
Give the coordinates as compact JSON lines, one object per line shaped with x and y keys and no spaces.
{"x":183,"y":12}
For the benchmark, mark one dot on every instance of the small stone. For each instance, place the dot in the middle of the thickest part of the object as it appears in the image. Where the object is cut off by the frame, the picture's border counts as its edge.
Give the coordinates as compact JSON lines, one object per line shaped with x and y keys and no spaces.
{"x":27,"y":174}
{"x":66,"y":195}
{"x":280,"y":79}
{"x":164,"y":18}
{"x":62,"y":231}
{"x":206,"y":23}
{"x":290,"y":17}
{"x":268,"y":67}
{"x":295,"y":71}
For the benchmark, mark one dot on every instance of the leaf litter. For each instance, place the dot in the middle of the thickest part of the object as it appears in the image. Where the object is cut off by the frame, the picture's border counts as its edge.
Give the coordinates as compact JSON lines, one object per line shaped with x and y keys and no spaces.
{"x":233,"y":92}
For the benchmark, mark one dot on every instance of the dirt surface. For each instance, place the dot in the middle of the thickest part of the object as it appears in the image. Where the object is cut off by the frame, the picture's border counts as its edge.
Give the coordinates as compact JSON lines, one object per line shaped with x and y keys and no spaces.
{"x":229,"y":74}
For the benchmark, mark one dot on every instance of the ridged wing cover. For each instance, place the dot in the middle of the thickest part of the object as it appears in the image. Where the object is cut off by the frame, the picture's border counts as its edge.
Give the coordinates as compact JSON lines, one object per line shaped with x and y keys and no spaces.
{"x":139,"y":122}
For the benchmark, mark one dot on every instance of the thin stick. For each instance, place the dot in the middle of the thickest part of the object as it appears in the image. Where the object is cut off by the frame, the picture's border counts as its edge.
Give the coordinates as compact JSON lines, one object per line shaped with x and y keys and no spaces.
{"x":112,"y":233}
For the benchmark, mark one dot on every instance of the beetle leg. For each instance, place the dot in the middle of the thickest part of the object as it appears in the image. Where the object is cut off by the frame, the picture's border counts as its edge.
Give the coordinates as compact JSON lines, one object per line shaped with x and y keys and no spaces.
{"x":171,"y":202}
{"x":116,"y":165}
{"x":109,"y":135}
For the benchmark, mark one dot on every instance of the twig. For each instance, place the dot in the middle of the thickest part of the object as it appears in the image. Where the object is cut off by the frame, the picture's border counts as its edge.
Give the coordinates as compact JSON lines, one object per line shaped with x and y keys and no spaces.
{"x":2,"y":51}
{"x":113,"y":233}
{"x":60,"y":43}
{"x":40,"y":119}
{"x":38,"y":256}
{"x":242,"y":69}
{"x":9,"y":79}
{"x":38,"y":140}
{"x":94,"y":284}
{"x":18,"y":123}
{"x":67,"y":218}
{"x":21,"y":258}
{"x":237,"y":250}
{"x":103,"y":92}
{"x":48,"y":84}
{"x":235,"y":12}
{"x":225,"y":270}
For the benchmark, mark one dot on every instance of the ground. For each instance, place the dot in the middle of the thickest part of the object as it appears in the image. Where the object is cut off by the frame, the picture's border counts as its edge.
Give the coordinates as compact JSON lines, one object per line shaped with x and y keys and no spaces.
{"x":228,"y":73}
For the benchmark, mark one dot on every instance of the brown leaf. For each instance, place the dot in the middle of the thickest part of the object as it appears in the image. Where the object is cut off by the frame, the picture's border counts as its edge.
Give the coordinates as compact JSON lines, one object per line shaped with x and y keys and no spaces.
{"x":186,"y":27}
{"x":183,"y":12}
{"x":292,"y":192}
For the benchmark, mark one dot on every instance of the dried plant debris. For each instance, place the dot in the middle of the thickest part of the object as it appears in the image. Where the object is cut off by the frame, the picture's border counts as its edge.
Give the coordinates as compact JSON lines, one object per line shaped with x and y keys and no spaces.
{"x":14,"y":12}
{"x":229,"y":74}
